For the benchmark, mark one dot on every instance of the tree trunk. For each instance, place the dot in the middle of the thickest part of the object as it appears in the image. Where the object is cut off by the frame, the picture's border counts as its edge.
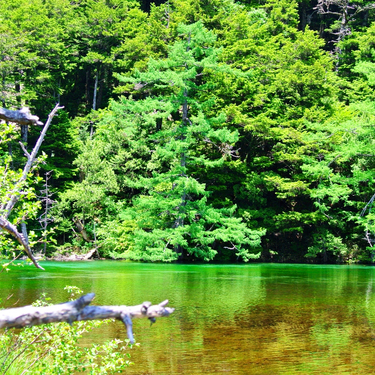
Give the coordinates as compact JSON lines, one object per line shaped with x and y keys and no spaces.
{"x":185,"y":121}
{"x":24,"y":133}
{"x":303,"y":15}
{"x":95,"y":89}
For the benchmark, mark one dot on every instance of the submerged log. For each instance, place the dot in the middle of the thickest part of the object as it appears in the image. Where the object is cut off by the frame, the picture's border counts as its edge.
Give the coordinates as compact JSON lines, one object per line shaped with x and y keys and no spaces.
{"x":78,"y":310}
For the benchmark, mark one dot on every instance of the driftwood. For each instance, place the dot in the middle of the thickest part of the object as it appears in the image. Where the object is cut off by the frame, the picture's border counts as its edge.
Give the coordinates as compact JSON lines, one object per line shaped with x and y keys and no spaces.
{"x":14,"y":195}
{"x":21,"y":117}
{"x":80,"y":310}
{"x":90,"y":254}
{"x":74,"y":257}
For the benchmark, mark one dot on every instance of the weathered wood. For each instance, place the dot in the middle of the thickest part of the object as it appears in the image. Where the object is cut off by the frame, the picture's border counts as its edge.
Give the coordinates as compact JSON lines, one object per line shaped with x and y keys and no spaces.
{"x":90,"y":254}
{"x":21,"y":117}
{"x":80,"y":310}
{"x":12,"y":229}
{"x":14,"y":195}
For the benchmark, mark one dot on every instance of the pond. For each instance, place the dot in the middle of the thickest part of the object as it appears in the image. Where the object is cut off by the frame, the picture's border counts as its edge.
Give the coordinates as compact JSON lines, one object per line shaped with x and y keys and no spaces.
{"x":237,"y":319}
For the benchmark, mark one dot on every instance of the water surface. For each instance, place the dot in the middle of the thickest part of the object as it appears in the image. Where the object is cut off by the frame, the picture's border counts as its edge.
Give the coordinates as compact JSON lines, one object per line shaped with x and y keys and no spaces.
{"x":237,"y":319}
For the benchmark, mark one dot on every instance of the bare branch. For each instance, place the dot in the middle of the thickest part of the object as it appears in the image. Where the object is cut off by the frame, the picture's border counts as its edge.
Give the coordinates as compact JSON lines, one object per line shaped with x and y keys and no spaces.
{"x":224,"y":148}
{"x":21,"y":117}
{"x":234,"y":247}
{"x":80,"y":310}
{"x":368,"y":238}
{"x":12,"y":229}
{"x":17,"y":192}
{"x":14,"y":195}
{"x":24,"y":150}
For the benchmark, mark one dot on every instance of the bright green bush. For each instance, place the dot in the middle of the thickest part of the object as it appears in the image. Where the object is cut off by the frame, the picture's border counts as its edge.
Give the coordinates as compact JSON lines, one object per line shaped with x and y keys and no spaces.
{"x":54,"y":349}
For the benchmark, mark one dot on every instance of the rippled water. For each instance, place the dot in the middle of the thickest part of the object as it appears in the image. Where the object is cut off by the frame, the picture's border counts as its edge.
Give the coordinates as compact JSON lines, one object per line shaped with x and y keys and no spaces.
{"x":237,"y":319}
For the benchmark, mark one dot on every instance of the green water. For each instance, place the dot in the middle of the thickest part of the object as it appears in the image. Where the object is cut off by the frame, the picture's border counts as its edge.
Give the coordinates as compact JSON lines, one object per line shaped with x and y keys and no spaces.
{"x":237,"y":319}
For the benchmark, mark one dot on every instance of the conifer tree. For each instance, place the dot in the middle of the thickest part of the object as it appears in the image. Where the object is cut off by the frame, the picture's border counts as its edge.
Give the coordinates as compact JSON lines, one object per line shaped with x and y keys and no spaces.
{"x":167,"y":117}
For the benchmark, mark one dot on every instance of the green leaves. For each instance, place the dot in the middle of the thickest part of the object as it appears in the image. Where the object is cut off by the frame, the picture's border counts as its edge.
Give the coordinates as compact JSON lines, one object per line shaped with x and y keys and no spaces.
{"x":54,"y":348}
{"x":155,"y":144}
{"x":223,"y":105}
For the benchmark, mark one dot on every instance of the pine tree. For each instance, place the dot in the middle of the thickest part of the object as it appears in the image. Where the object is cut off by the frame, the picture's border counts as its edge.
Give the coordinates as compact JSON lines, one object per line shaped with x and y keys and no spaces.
{"x":167,"y":117}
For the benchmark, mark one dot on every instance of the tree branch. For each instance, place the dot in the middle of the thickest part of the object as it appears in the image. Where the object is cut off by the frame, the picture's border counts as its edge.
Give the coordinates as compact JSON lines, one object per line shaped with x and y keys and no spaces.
{"x":14,"y":195}
{"x":12,"y":229}
{"x":24,"y":150}
{"x":80,"y":310}
{"x":21,"y":117}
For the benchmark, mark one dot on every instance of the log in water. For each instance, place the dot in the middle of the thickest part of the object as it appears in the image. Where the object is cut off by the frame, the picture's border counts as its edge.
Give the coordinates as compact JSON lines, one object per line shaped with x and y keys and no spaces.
{"x":237,"y":319}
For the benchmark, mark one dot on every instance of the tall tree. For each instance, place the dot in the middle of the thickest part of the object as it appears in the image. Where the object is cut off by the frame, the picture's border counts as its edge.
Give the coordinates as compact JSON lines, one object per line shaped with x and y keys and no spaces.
{"x":175,"y":217}
{"x":166,"y":120}
{"x":291,"y":84}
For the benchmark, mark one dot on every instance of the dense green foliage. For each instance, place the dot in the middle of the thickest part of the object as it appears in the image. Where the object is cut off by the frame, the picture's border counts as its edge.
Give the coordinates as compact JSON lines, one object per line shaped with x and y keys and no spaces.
{"x":54,"y":348}
{"x":200,"y":130}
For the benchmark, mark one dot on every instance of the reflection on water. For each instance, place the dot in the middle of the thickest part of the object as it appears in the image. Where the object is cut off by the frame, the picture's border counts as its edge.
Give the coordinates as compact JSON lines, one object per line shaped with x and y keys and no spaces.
{"x":237,"y":319}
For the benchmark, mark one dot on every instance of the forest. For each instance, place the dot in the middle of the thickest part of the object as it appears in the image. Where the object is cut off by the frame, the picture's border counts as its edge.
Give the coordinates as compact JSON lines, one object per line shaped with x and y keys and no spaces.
{"x":192,"y":130}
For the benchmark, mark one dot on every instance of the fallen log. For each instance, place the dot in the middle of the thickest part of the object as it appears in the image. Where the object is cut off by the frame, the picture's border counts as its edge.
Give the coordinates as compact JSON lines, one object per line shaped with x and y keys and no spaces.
{"x":78,"y":310}
{"x":90,"y":254}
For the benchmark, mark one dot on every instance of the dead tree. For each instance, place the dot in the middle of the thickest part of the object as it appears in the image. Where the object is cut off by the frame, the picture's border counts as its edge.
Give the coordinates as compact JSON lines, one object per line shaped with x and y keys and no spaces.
{"x":78,"y":310}
{"x":346,"y":11}
{"x":22,"y":117}
{"x":47,"y":203}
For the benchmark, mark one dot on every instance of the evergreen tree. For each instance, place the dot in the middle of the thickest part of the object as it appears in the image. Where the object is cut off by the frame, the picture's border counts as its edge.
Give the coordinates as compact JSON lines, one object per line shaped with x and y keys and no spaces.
{"x":291,"y":84}
{"x":174,"y":214}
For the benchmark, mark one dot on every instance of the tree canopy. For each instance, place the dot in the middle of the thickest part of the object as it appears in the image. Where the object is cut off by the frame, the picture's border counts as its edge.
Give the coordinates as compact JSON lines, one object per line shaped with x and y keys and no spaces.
{"x":195,"y":130}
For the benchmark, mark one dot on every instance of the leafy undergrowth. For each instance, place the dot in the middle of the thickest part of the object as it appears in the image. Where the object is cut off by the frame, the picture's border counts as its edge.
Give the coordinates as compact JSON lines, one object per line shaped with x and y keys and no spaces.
{"x":54,"y":348}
